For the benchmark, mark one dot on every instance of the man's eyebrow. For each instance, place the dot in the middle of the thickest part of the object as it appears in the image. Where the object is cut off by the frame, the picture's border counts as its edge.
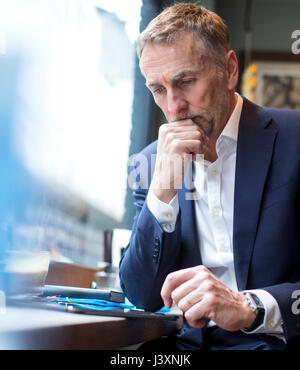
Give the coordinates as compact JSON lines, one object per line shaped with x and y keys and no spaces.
{"x":177,"y":77}
{"x":183,"y":74}
{"x":151,"y":83}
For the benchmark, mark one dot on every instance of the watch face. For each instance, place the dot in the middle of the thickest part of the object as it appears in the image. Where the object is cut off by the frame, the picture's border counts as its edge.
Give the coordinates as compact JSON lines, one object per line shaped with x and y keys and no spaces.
{"x":257,"y":301}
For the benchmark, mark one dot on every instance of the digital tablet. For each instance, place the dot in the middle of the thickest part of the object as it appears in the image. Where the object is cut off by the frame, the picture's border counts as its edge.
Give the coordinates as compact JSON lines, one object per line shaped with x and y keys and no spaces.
{"x":122,"y":312}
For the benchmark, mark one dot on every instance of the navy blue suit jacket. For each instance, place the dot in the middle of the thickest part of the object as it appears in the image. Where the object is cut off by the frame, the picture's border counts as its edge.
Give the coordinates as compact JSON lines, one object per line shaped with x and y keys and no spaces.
{"x":266,"y":229}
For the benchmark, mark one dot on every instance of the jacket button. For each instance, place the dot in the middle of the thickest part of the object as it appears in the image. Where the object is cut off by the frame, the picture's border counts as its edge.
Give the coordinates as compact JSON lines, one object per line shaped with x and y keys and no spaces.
{"x":157,"y":242}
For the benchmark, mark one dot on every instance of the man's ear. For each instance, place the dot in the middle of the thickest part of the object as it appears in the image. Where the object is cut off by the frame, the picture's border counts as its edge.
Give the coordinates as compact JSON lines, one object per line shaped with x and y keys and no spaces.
{"x":232,"y":69}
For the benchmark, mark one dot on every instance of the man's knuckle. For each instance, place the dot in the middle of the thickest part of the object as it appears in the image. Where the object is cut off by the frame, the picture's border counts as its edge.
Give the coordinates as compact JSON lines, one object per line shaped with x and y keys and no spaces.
{"x":208,"y":285}
{"x":203,"y":268}
{"x":173,"y":297}
{"x":204,"y":276}
{"x":211,"y":300}
{"x":176,"y":143}
{"x":189,"y":316}
{"x":169,"y":137}
{"x":163,"y":129}
{"x":181,"y":305}
{"x":171,"y":277}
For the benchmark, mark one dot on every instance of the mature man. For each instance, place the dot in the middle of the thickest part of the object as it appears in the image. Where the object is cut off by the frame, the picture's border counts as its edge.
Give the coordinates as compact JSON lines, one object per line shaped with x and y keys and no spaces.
{"x":226,"y":251}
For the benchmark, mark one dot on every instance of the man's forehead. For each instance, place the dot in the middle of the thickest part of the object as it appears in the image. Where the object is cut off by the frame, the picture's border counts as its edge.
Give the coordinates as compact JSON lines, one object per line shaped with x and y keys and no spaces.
{"x":182,"y":57}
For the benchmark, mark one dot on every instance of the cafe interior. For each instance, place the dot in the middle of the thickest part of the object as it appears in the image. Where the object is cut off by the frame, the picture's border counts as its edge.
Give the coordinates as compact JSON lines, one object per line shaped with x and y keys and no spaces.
{"x":74,"y":110}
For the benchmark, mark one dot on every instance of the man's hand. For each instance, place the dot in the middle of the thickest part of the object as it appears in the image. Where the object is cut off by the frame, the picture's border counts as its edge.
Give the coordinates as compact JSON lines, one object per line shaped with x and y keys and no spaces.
{"x":200,"y":295}
{"x":175,"y":141}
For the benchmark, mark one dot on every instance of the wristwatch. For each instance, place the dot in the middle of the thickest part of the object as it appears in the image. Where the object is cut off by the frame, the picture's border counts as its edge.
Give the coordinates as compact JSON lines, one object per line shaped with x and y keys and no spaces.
{"x":258,"y":308}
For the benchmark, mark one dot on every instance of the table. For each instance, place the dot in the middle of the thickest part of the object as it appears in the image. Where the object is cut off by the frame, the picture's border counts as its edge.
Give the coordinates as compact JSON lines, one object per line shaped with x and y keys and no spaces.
{"x":36,"y":328}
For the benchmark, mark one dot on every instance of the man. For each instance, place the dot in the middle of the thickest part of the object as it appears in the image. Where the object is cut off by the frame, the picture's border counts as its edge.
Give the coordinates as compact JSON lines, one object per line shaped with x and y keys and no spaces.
{"x":226,"y":252}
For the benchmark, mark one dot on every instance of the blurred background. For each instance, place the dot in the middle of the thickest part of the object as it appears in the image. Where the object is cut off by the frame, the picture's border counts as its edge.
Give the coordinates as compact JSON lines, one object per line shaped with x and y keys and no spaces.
{"x":66,"y":72}
{"x":74,"y":107}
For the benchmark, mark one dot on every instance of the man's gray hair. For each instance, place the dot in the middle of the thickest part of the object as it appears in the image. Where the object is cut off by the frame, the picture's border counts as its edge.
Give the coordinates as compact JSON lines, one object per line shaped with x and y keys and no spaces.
{"x":207,"y":27}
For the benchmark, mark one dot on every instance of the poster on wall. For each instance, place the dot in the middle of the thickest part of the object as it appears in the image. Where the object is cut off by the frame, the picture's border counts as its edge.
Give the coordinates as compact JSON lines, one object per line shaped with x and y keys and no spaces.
{"x":273,"y":84}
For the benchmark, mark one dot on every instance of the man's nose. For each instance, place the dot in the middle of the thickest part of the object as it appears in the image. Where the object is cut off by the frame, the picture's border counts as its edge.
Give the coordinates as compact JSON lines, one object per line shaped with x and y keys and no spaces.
{"x":176,"y":103}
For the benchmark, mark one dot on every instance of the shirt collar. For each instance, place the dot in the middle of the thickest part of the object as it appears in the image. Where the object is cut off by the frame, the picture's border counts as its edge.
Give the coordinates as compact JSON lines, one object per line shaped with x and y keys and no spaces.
{"x":228,"y":138}
{"x":232,"y":125}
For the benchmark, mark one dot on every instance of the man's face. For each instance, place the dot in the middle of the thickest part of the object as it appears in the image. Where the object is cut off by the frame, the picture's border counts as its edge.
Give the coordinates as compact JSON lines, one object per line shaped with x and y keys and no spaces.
{"x":185,"y":84}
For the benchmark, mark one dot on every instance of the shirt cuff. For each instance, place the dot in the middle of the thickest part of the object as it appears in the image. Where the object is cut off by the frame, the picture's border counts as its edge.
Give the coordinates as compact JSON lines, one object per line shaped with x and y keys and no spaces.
{"x":272,"y":323}
{"x":165,"y":213}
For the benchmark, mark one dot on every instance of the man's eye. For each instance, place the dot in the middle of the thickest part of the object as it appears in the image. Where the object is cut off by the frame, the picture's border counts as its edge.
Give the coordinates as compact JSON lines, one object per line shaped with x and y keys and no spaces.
{"x":158,"y":90}
{"x":186,"y":82}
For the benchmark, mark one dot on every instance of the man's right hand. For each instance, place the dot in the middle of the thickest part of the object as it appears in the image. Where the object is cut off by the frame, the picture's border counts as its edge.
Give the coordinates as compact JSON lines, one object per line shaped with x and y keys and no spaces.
{"x":176,"y":140}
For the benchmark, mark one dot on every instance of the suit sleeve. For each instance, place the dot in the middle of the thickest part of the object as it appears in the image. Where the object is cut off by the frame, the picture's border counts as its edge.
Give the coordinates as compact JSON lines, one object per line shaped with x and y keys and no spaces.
{"x":287,"y":296}
{"x":150,"y":256}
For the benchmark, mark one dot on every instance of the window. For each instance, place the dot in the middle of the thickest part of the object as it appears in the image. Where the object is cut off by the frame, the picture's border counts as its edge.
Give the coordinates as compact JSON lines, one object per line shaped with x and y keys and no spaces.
{"x":72,"y":115}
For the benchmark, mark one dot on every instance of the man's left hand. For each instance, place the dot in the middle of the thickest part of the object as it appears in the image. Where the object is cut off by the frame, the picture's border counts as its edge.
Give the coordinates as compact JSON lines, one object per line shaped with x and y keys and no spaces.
{"x":201,"y":296}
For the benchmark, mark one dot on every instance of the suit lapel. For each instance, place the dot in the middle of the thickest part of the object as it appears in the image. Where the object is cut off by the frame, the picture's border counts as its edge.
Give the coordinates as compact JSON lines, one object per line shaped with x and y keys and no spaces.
{"x":254,"y":153}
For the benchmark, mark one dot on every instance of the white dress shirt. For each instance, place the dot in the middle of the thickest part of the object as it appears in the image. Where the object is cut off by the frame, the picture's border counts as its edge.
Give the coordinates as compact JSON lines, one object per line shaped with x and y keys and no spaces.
{"x":214,"y":183}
